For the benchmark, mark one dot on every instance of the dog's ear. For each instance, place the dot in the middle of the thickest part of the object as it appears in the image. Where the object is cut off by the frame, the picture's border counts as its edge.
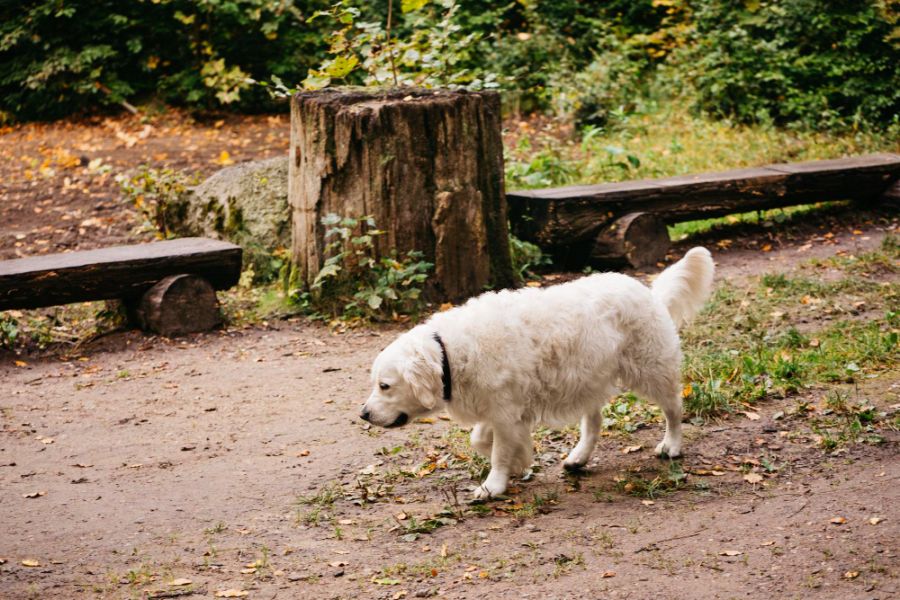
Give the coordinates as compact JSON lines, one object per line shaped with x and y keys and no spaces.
{"x":422,"y":372}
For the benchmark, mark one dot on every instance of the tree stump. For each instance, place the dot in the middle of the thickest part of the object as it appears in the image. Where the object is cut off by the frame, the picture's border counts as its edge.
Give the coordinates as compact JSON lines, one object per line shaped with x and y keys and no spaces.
{"x":635,"y":240}
{"x":426,"y":165}
{"x":178,"y":305}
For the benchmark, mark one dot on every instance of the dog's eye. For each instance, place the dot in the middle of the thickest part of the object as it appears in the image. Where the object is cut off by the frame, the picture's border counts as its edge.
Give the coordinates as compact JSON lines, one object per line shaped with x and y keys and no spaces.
{"x":384,"y":386}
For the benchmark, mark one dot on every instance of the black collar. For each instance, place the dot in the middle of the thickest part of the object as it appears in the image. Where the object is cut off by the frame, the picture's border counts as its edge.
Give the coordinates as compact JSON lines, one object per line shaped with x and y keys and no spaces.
{"x":445,"y":368}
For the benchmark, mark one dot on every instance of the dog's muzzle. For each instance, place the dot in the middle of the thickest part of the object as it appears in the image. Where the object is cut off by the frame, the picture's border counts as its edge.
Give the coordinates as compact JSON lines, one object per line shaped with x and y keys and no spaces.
{"x":401,"y":419}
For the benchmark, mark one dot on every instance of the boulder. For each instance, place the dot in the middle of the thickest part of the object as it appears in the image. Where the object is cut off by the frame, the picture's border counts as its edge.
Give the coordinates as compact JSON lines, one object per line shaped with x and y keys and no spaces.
{"x":245,"y":204}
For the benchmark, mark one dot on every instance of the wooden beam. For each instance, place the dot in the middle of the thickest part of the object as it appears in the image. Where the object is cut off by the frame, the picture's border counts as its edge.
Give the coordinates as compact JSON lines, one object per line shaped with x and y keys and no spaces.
{"x":564,"y":220}
{"x":117,"y":272}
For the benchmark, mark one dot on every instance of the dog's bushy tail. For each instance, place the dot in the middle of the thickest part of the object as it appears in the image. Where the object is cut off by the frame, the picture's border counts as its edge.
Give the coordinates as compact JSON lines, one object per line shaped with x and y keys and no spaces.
{"x":684,"y":287}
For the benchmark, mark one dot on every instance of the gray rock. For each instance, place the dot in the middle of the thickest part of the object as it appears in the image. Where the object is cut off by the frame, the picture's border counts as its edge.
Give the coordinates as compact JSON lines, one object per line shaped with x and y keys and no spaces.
{"x":245,"y":204}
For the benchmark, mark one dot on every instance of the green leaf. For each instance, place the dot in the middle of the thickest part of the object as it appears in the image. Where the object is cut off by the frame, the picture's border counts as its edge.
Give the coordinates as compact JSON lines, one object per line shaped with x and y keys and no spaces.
{"x":412,"y":5}
{"x":341,"y":66}
{"x":375,"y":301}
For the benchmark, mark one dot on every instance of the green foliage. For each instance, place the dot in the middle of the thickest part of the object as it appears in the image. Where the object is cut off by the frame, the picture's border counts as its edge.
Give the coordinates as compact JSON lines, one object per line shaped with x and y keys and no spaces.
{"x":60,"y":57}
{"x":425,"y":48}
{"x":9,"y":331}
{"x":159,"y":196}
{"x":818,"y":63}
{"x":526,"y":257}
{"x":354,"y":283}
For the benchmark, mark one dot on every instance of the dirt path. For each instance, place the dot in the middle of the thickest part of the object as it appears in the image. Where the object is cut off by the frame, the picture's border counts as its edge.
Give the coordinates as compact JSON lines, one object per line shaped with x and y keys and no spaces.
{"x":141,"y":467}
{"x":235,"y":460}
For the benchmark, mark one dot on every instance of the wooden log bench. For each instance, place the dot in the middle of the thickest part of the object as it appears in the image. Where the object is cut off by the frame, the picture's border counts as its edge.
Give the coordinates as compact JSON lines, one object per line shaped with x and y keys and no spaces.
{"x":168,"y":287}
{"x":615,"y":224}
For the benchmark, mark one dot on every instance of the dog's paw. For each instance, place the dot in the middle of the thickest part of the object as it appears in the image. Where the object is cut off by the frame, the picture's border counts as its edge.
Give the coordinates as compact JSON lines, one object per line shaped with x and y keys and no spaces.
{"x":488,"y":490}
{"x":668,"y":449}
{"x":574,"y":466}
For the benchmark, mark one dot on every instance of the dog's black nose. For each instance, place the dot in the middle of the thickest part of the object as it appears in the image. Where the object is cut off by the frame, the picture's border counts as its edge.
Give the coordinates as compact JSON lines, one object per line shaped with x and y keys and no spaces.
{"x":364,"y":415}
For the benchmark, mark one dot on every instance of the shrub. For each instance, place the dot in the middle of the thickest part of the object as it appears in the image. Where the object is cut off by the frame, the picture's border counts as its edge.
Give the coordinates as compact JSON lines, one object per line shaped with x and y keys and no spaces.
{"x":818,"y":63}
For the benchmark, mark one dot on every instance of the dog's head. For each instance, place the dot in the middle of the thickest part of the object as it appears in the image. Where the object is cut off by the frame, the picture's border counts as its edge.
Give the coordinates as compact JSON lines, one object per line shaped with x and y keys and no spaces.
{"x":406,"y":380}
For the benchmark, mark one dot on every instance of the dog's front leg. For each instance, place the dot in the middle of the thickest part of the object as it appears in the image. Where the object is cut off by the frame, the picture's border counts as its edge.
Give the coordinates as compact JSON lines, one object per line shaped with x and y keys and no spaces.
{"x":511,"y":442}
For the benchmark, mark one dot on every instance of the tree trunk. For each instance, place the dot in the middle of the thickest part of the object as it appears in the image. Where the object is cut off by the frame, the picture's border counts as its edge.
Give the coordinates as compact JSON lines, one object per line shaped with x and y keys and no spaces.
{"x":635,"y":240}
{"x":426,"y":165}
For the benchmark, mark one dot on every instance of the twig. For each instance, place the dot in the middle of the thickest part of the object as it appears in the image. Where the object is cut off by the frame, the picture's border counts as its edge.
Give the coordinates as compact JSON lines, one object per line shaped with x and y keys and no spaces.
{"x":389,"y":44}
{"x":649,"y":547}
{"x":799,"y":510}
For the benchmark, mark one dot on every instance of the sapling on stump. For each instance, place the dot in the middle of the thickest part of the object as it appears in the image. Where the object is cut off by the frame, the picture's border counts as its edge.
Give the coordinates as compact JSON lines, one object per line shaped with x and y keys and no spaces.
{"x":426,"y":165}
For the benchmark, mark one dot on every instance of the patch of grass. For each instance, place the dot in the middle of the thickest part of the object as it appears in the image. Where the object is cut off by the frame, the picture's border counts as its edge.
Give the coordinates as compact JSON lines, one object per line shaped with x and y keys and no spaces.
{"x":671,"y":479}
{"x":662,"y":141}
{"x":540,"y":504}
{"x":318,"y":503}
{"x":843,"y":422}
{"x":788,"y":333}
{"x":788,"y":214}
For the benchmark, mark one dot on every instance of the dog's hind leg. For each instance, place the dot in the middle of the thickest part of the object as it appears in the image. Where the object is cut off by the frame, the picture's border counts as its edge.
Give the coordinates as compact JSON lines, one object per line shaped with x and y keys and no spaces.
{"x":482,"y":437}
{"x":581,"y":453}
{"x":671,"y":444}
{"x":512,"y":443}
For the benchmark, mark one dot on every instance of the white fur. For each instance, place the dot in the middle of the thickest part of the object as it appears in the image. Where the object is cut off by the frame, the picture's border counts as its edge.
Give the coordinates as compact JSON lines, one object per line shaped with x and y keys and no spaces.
{"x":551,"y":356}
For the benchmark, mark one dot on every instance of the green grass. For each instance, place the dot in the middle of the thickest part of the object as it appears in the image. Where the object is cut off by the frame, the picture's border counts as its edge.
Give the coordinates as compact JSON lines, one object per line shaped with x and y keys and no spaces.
{"x":665,"y":141}
{"x":782,"y":334}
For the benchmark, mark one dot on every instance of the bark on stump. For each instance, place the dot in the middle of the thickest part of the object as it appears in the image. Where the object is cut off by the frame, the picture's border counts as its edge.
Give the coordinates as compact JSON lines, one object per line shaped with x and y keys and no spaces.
{"x":635,"y":240}
{"x":178,"y":305}
{"x":426,"y":165}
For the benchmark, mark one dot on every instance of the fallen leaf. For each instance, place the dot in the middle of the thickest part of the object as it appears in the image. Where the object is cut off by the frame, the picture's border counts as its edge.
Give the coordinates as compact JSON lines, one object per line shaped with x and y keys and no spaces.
{"x":34,"y":494}
{"x":83,"y":465}
{"x":338,"y":563}
{"x":851,"y":574}
{"x":346,"y":521}
{"x":838,"y":520}
{"x":751,"y":415}
{"x":401,"y":516}
{"x":730,"y":553}
{"x":224,"y":159}
{"x":534,"y":284}
{"x":769,"y":543}
{"x":608,"y":574}
{"x":303,"y":453}
{"x":232,"y":593}
{"x":385,"y":581}
{"x":30,"y":562}
{"x":20,"y":363}
{"x":767,"y":248}
{"x":753,"y":477}
{"x":426,"y":420}
{"x":875,"y":520}
{"x":47,"y":440}
{"x":369,"y":470}
{"x":446,"y":306}
{"x":648,"y":502}
{"x":181,"y":581}
{"x":248,"y":571}
{"x":630,"y":449}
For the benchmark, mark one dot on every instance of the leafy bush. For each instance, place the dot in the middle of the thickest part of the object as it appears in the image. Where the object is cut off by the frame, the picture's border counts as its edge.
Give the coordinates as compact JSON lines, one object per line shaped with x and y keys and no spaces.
{"x":819,"y":63}
{"x":60,"y":57}
{"x":526,"y":258}
{"x":9,"y":331}
{"x":353,"y":283}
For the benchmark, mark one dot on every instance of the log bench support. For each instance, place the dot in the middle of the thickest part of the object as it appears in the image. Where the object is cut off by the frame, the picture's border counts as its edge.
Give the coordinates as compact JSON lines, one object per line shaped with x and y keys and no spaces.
{"x":167,"y":287}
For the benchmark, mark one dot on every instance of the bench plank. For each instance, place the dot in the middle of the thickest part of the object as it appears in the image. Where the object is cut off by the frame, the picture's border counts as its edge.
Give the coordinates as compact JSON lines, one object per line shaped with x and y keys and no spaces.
{"x":116,"y":272}
{"x":566,"y":220}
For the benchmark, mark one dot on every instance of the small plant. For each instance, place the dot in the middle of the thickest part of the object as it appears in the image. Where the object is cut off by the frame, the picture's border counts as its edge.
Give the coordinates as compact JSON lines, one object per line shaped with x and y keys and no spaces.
{"x":526,"y":257}
{"x":158,"y":195}
{"x":9,"y":331}
{"x":354,"y":283}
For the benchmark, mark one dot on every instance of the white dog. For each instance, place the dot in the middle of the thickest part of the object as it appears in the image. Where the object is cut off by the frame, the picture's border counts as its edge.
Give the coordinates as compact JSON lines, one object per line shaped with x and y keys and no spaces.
{"x":505,"y":361}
